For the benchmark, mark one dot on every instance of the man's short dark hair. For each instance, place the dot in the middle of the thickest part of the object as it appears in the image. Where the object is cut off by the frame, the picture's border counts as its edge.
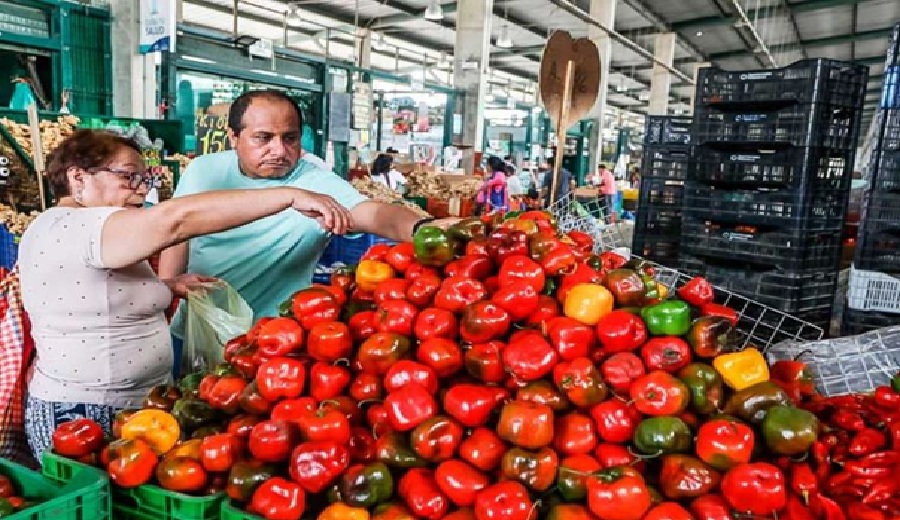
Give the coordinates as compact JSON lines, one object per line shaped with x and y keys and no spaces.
{"x":601,"y":166}
{"x":239,"y":107}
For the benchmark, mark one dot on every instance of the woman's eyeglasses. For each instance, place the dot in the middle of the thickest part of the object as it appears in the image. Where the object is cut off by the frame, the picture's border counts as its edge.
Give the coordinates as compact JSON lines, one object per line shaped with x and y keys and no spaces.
{"x":135,"y":179}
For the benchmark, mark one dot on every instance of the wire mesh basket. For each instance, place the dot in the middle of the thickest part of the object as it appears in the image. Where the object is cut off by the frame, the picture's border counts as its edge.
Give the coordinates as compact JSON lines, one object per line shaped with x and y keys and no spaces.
{"x":589,"y":216}
{"x":758,"y":325}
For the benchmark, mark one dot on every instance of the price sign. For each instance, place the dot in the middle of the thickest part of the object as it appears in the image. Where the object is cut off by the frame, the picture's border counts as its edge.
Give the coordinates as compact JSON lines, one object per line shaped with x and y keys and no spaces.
{"x":212,"y":134}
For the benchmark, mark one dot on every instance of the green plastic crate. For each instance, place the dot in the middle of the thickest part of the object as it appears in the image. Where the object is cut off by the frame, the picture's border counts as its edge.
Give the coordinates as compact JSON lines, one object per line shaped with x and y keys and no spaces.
{"x":97,"y":502}
{"x":83,"y":497}
{"x":232,"y":512}
{"x":153,"y":502}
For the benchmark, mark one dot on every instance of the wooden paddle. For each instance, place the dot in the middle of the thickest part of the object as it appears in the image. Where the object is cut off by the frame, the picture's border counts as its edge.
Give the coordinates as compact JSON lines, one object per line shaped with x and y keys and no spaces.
{"x":570,"y":84}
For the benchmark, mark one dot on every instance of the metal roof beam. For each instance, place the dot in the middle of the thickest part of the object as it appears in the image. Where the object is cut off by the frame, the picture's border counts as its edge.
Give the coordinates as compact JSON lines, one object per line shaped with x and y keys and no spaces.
{"x":765,"y":12}
{"x":818,"y":42}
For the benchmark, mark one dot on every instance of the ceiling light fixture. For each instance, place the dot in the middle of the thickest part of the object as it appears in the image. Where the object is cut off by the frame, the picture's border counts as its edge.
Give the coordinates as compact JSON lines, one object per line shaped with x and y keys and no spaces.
{"x":434,"y":12}
{"x":699,"y":33}
{"x":504,"y":41}
{"x":377,"y":40}
{"x":293,"y":12}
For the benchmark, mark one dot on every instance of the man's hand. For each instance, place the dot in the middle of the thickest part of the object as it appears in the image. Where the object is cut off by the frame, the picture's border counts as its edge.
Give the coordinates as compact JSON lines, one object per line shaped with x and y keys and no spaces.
{"x":182,"y":284}
{"x":325,"y":210}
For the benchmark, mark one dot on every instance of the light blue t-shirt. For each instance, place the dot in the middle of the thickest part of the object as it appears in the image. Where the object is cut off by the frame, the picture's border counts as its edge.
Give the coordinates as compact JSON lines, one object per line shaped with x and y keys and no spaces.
{"x":268,"y":260}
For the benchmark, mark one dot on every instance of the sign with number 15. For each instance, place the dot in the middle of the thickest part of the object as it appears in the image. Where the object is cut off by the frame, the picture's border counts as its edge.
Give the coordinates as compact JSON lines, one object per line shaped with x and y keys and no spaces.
{"x":212,"y":134}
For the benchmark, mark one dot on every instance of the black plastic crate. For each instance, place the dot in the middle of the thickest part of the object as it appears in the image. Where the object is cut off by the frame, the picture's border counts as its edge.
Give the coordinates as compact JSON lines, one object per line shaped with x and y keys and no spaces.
{"x":662,"y":249}
{"x":658,"y":221}
{"x":877,"y":251}
{"x":667,"y":130}
{"x":886,"y":174}
{"x":661,"y":193}
{"x":807,"y":81}
{"x":785,"y":248}
{"x":855,"y":322}
{"x":793,"y":125}
{"x":881,"y":213}
{"x":821,"y":204}
{"x":890,"y":138}
{"x":890,"y":89}
{"x":666,"y":162}
{"x":788,"y":291}
{"x":791,"y":166}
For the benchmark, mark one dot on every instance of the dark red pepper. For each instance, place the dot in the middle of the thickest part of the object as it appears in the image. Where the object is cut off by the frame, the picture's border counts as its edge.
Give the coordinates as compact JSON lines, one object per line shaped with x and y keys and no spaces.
{"x":409,"y":407}
{"x":714,"y":309}
{"x":887,"y":398}
{"x":476,"y":267}
{"x":803,"y":480}
{"x":505,"y":243}
{"x":848,"y":420}
{"x":826,"y":508}
{"x":866,"y":441}
{"x":697,"y":291}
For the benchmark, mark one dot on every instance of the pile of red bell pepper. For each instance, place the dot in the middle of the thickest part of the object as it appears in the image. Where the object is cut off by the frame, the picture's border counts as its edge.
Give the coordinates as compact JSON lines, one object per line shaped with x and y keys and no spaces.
{"x":500,"y":369}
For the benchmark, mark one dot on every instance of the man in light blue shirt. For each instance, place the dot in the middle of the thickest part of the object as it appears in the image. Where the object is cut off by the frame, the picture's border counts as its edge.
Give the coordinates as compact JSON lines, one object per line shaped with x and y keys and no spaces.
{"x":268,"y":260}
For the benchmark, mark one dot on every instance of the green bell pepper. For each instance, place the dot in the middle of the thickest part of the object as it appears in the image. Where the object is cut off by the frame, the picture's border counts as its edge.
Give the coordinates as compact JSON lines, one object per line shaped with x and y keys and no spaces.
{"x":788,"y":430}
{"x":193,"y":413}
{"x":895,"y":383}
{"x":432,"y":246}
{"x":661,"y":435}
{"x":467,"y":229}
{"x":705,"y":386}
{"x":189,"y":384}
{"x":366,"y":485}
{"x":6,"y":508}
{"x":752,"y":403}
{"x":669,"y":318}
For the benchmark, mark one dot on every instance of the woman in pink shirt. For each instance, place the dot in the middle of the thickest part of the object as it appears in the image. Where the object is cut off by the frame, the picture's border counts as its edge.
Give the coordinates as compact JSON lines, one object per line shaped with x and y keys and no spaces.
{"x":493,"y":192}
{"x":607,"y":189}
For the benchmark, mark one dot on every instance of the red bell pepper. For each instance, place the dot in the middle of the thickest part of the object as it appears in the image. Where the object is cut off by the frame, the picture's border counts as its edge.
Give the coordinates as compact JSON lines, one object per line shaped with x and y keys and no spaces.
{"x":328,"y":381}
{"x":456,"y":293}
{"x":621,"y":370}
{"x":392,"y":289}
{"x":547,"y":309}
{"x":559,"y":260}
{"x":281,"y":377}
{"x":278,"y":499}
{"x":866,"y":441}
{"x":582,"y":274}
{"x":272,"y":441}
{"x":474,"y":267}
{"x":460,"y":482}
{"x":443,"y":355}
{"x":887,"y":398}
{"x":279,"y":337}
{"x":582,"y":240}
{"x":519,"y":298}
{"x":482,"y":322}
{"x":380,"y":351}
{"x":571,"y":338}
{"x":580,"y":381}
{"x":522,"y":268}
{"x":471,"y":405}
{"x":483,"y":449}
{"x":362,"y":325}
{"x":317,"y":464}
{"x":530,"y":357}
{"x":616,"y":420}
{"x":477,"y":246}
{"x":409,"y":407}
{"x":755,"y":488}
{"x":612,"y":260}
{"x":407,"y":371}
{"x":715,"y":309}
{"x":397,"y":316}
{"x":621,"y":331}
{"x":324,"y":425}
{"x":422,"y":495}
{"x":289,"y":410}
{"x":423,"y":289}
{"x":626,"y":286}
{"x":659,"y":393}
{"x":315,"y":305}
{"x":574,"y":434}
{"x":483,"y":362}
{"x":377,"y":252}
{"x":435,"y":323}
{"x":77,"y":438}
{"x":667,"y":353}
{"x":505,"y":500}
{"x":697,"y":291}
{"x":329,"y":341}
{"x":400,"y":257}
{"x":223,"y":393}
{"x":436,"y":439}
{"x":505,"y":243}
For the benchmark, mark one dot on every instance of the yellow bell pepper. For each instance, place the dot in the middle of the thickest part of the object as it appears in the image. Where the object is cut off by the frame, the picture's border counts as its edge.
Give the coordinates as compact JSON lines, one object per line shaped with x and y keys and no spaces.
{"x":742,"y":369}
{"x":343,"y":512}
{"x":155,"y":427}
{"x":587,"y":303}
{"x":370,"y":273}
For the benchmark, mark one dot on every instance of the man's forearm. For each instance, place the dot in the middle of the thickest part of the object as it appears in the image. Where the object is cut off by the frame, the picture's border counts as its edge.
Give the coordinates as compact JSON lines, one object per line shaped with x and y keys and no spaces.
{"x":387,"y":220}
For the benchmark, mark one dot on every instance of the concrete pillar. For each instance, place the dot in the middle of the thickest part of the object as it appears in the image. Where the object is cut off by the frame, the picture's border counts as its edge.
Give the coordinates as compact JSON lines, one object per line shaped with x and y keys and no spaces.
{"x":134,"y":86}
{"x":697,"y":67}
{"x":605,"y":12}
{"x":663,"y":50}
{"x":471,"y":58}
{"x":363,"y":48}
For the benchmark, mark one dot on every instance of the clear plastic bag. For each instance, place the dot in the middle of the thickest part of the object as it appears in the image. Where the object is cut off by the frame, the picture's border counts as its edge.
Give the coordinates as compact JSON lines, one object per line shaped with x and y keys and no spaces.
{"x":214,"y":315}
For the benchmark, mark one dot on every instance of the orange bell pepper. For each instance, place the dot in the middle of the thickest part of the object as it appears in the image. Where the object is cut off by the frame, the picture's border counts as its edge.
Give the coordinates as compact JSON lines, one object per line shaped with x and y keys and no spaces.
{"x":155,"y":427}
{"x":189,"y":449}
{"x":370,"y":273}
{"x":340,"y":511}
{"x":587,"y":303}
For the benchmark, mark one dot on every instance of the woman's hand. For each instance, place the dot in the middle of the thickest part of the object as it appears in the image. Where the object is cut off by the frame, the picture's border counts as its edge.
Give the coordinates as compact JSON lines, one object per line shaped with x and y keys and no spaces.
{"x":182,"y":284}
{"x":325,"y":210}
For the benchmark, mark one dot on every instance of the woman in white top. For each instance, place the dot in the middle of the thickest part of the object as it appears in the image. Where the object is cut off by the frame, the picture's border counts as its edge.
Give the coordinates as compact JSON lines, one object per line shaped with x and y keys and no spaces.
{"x":383,"y":172}
{"x":96,"y":307}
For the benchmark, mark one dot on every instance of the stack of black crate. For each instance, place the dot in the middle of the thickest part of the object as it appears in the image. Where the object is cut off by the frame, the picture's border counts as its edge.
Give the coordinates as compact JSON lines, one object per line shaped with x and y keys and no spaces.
{"x":767,"y":191}
{"x":875,"y":281}
{"x":666,"y":155}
